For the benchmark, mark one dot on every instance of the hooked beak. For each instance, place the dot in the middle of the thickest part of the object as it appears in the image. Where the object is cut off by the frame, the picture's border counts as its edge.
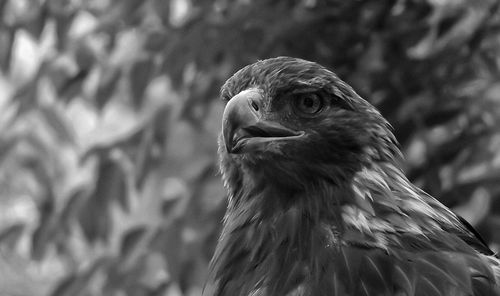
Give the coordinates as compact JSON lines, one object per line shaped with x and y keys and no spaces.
{"x":244,"y":130}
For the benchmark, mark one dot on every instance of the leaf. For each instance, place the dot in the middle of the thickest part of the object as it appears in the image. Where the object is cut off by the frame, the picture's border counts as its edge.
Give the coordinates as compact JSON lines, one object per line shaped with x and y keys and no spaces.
{"x":140,"y":75}
{"x":131,"y":241}
{"x":36,"y":23}
{"x":6,"y":146}
{"x":127,"y":9}
{"x":11,"y":235}
{"x":169,"y":206}
{"x":77,"y":284}
{"x":6,"y":43}
{"x":110,"y":186}
{"x":73,"y":85}
{"x":439,"y":117}
{"x":464,"y":26}
{"x":63,"y":22}
{"x":2,"y":6}
{"x":58,"y":124}
{"x":155,"y":273}
{"x":73,"y":206}
{"x":66,"y":287}
{"x":107,"y":85}
{"x":155,"y":41}
{"x":162,"y":8}
{"x":448,"y":151}
{"x":84,"y":56}
{"x":44,"y":234}
{"x":110,"y":180}
{"x":151,"y":143}
{"x":94,"y":220}
{"x":169,"y":242}
{"x":26,"y":96}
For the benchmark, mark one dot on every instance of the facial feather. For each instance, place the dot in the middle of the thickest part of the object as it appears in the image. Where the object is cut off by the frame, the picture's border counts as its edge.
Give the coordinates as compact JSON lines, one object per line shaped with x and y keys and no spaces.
{"x":318,"y":204}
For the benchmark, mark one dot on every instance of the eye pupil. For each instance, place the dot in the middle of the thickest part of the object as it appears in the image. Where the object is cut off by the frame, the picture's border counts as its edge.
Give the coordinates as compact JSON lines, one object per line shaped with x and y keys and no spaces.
{"x":308,"y":104}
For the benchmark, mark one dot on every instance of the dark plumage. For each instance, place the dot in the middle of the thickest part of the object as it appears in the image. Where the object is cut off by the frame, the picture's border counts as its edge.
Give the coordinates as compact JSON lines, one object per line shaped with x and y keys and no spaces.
{"x":318,"y":204}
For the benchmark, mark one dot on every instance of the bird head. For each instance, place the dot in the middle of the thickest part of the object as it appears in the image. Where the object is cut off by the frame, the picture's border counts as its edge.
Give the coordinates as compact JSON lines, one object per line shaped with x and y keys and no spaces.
{"x":292,"y":121}
{"x":315,"y":193}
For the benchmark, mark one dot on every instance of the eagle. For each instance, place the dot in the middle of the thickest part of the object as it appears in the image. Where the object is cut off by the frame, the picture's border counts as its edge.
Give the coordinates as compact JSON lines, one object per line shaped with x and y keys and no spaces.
{"x":317,"y":201}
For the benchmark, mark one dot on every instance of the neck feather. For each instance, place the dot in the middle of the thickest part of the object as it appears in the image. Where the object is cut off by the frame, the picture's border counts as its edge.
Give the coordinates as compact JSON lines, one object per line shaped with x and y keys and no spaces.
{"x":273,"y":238}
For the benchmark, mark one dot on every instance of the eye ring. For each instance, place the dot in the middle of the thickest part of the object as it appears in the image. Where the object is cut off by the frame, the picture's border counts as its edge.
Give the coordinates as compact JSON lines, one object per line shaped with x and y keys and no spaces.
{"x":308,"y":104}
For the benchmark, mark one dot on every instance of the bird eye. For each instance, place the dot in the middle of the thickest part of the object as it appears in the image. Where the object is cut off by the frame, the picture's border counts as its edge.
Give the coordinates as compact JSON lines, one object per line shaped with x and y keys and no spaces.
{"x":308,"y":104}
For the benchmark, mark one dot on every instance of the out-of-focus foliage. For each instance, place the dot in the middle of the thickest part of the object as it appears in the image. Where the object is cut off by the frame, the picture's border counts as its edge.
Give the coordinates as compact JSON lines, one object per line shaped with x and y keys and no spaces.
{"x":109,"y":119}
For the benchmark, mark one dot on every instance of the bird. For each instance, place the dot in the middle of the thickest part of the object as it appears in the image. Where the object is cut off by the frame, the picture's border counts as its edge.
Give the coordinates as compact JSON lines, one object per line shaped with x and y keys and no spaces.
{"x":318,"y":203}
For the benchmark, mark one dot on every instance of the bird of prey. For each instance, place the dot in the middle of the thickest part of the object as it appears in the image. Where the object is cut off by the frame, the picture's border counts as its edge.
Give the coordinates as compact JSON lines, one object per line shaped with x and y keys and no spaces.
{"x":318,"y":204}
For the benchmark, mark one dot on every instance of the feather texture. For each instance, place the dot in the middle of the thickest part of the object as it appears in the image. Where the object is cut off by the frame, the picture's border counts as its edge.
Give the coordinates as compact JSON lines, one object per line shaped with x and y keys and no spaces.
{"x":330,"y":212}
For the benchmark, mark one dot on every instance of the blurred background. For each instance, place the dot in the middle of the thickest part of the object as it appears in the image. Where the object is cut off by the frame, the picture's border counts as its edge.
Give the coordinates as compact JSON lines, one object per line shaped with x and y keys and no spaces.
{"x":109,"y":115}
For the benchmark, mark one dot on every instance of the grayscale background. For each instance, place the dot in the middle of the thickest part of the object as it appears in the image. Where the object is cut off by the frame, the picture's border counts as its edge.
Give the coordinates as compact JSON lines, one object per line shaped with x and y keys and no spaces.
{"x":109,"y":115}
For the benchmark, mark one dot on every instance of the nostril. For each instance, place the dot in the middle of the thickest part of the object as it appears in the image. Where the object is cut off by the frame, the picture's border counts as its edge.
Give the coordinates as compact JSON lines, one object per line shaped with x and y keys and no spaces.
{"x":254,"y":105}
